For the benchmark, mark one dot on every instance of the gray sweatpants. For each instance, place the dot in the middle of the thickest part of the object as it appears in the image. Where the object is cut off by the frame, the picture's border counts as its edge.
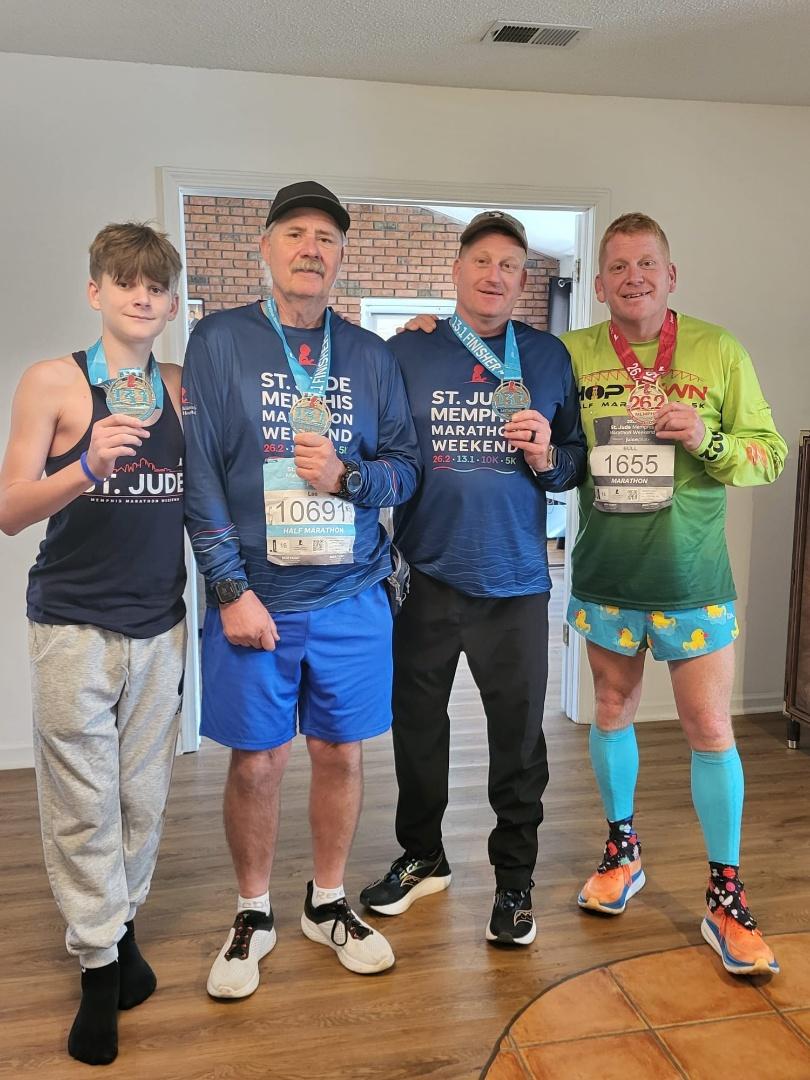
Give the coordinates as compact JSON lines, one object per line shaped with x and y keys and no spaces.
{"x":106,"y":716}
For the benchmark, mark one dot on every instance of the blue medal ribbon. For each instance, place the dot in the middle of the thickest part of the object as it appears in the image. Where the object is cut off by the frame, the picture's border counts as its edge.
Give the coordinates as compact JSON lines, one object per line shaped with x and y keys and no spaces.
{"x":99,"y":374}
{"x":316,"y":383}
{"x":508,"y":369}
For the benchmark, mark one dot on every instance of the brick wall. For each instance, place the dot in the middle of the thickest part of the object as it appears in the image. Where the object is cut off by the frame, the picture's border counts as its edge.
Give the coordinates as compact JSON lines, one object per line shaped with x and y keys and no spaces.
{"x":392,"y":250}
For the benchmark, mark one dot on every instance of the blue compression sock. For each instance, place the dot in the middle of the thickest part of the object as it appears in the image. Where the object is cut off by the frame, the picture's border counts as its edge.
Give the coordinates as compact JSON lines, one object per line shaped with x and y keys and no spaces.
{"x":718,"y":788}
{"x":614,"y":757}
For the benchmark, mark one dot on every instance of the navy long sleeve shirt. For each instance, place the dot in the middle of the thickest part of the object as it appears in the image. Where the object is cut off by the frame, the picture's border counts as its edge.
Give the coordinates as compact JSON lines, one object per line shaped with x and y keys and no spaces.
{"x":478,"y":520}
{"x":237,"y":392}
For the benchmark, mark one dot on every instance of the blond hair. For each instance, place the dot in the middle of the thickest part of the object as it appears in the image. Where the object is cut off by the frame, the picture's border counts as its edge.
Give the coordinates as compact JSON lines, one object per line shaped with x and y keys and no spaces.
{"x":630,"y":224}
{"x":135,"y":251}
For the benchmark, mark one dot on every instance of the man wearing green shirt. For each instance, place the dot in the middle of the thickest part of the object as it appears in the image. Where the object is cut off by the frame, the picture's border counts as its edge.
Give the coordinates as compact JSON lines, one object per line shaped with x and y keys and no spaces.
{"x":673,"y":412}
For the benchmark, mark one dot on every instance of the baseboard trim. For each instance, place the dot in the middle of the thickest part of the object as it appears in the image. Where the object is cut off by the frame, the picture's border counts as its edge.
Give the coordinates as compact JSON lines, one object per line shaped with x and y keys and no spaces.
{"x":17,"y":757}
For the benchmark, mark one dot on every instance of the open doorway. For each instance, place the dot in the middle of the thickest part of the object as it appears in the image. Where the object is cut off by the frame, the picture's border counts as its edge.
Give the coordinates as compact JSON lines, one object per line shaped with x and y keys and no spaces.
{"x":219,"y":224}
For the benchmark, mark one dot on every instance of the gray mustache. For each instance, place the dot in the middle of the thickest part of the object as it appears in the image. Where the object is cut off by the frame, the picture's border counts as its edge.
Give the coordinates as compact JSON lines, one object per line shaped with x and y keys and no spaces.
{"x":314,"y":265}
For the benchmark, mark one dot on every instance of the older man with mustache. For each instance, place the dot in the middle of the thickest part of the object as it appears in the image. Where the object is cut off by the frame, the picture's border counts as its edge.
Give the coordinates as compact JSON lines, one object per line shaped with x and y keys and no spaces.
{"x":288,"y":464}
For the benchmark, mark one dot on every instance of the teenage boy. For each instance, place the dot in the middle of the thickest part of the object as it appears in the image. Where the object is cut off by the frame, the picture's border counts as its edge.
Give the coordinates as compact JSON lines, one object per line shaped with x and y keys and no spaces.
{"x":106,"y":614}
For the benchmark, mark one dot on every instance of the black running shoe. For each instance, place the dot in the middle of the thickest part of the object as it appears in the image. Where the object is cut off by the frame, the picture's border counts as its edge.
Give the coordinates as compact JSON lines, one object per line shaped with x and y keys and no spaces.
{"x":409,"y":878}
{"x":512,"y":921}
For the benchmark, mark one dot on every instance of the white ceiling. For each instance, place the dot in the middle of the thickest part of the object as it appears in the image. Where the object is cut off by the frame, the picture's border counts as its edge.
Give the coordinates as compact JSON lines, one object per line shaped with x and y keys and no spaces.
{"x":716,"y":50}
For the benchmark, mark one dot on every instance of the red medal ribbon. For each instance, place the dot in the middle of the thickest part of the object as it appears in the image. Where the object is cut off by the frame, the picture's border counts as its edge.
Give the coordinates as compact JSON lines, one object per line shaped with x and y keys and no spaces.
{"x":663,"y":360}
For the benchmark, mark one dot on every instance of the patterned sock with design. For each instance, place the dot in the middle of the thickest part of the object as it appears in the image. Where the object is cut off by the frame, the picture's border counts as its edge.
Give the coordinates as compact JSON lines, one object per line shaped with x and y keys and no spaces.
{"x":726,"y":891}
{"x":622,"y":846}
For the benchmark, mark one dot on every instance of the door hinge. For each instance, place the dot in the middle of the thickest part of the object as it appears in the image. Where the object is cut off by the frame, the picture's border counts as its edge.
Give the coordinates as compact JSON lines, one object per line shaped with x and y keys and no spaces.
{"x":565,"y":633}
{"x":577,"y":273}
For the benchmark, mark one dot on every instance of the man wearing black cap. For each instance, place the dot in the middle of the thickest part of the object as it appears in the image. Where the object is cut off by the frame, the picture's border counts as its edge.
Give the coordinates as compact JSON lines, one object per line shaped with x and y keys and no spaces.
{"x":298,"y":431}
{"x":497,"y":418}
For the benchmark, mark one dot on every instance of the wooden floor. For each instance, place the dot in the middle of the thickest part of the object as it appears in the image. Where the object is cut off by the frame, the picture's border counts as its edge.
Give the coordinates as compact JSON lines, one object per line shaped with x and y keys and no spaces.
{"x":440,"y":1011}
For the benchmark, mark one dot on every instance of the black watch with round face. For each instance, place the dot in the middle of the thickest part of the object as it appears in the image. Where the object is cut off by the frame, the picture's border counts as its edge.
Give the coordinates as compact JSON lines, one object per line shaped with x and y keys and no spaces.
{"x":351,"y":481}
{"x":229,"y":589}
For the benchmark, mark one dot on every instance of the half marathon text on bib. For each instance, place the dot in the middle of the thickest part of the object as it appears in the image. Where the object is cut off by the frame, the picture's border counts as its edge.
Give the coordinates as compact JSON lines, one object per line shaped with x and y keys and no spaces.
{"x":304,"y":527}
{"x":632,"y":471}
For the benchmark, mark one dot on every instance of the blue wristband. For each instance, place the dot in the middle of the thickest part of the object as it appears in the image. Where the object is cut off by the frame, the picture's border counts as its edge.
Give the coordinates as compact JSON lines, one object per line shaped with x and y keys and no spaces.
{"x":90,"y":475}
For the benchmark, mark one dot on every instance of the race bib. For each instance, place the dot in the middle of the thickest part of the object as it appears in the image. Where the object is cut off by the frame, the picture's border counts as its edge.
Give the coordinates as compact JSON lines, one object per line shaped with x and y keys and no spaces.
{"x":304,"y":527}
{"x":633,"y":472}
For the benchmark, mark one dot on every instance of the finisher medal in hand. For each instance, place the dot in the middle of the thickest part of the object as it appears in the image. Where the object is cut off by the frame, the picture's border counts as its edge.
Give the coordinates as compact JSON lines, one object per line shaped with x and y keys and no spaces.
{"x":310,"y":413}
{"x":509,"y":398}
{"x":643,"y":403}
{"x":131,"y":394}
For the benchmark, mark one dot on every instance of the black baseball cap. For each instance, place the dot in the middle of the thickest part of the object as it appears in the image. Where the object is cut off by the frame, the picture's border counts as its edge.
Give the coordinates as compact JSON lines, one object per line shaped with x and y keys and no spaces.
{"x":308,"y":193}
{"x":495,"y":219}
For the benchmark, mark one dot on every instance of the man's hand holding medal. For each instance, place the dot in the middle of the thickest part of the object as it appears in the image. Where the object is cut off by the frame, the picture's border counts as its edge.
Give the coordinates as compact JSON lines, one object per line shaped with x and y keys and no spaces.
{"x":681,"y":423}
{"x":316,"y":462}
{"x":529,"y":431}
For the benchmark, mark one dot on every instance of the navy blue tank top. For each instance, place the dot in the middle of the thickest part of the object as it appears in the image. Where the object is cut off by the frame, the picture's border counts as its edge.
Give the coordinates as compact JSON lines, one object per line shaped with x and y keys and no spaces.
{"x":113,"y":557}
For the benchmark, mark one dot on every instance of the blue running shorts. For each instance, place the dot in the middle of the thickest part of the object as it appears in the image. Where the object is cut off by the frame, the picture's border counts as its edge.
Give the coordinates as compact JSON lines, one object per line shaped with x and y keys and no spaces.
{"x":329,"y":676}
{"x":669,"y":635}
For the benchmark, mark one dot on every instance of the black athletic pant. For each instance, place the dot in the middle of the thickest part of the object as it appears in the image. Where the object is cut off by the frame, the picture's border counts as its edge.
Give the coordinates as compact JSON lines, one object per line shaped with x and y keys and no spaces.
{"x":506,"y":644}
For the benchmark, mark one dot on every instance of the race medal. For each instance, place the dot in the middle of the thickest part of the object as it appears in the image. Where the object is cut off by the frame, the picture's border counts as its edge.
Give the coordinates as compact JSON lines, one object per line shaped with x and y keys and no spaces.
{"x":643,"y":403}
{"x":134,"y":391}
{"x":131,"y":394}
{"x":510,"y":397}
{"x":310,"y":413}
{"x":646,"y":397}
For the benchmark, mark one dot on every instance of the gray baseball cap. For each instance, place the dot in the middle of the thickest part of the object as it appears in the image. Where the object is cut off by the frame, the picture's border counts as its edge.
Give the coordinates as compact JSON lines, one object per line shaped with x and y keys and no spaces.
{"x":495,"y":219}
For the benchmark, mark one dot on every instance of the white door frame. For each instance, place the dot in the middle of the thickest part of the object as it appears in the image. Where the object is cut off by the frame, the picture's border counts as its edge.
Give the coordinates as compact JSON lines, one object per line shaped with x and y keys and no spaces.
{"x":173,"y":183}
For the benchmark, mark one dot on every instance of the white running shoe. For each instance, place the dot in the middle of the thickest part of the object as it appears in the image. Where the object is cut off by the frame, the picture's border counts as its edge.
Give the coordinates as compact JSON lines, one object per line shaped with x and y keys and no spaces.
{"x":359,"y":948}
{"x":235,"y":972}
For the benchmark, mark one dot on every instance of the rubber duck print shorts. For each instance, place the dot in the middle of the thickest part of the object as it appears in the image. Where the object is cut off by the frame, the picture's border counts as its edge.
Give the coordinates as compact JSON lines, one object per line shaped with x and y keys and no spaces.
{"x":670,"y":635}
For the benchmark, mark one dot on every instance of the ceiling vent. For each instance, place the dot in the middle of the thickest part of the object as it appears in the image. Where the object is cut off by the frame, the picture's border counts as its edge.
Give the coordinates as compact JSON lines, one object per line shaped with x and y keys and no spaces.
{"x":511,"y":33}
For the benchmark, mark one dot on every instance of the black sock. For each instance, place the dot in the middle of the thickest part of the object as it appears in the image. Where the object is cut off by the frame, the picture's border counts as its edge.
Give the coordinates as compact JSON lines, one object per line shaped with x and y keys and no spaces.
{"x":93,"y":1038}
{"x":137,"y":978}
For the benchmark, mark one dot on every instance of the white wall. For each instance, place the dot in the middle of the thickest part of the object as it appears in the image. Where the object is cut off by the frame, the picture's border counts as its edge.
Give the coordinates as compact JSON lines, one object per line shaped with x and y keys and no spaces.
{"x":81,"y":141}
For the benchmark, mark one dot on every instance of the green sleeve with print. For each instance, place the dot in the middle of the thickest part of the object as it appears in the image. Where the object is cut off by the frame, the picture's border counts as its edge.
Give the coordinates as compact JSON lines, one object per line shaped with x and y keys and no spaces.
{"x":747,"y":449}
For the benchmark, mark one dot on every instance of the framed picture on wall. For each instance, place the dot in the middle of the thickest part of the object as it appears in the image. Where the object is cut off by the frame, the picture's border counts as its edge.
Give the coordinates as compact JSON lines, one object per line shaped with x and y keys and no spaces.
{"x":196,"y":310}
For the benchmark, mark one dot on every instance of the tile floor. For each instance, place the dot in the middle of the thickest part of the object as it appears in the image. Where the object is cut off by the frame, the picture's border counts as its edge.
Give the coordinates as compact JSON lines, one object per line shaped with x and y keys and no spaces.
{"x":667,"y":1015}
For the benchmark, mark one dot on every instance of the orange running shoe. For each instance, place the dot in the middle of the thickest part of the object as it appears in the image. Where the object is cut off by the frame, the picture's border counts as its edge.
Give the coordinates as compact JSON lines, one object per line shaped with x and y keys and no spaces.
{"x":610,"y":890}
{"x":743,"y":951}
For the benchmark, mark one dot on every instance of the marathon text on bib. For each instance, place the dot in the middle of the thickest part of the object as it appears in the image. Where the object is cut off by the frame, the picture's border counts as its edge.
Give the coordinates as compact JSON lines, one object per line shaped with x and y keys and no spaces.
{"x":632,"y":471}
{"x":304,"y":527}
